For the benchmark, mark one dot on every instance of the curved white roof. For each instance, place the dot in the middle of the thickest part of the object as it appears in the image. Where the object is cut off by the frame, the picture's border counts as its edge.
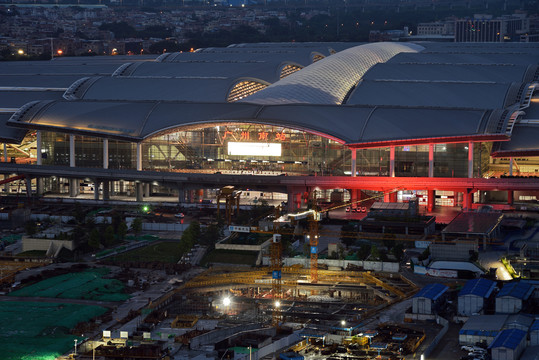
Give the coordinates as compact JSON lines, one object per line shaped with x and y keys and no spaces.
{"x":329,"y":80}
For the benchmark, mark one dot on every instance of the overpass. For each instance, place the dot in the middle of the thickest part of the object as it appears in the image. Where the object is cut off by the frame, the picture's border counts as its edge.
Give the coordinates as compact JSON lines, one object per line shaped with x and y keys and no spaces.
{"x":294,"y":186}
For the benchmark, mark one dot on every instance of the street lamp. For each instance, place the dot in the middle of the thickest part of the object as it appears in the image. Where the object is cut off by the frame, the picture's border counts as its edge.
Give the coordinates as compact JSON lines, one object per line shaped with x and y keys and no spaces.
{"x":277,"y":304}
{"x":226,"y":303}
{"x":76,"y":340}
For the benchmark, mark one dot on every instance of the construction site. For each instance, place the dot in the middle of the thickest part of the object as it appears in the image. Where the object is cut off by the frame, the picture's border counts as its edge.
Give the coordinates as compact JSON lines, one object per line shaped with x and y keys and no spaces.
{"x":277,"y":307}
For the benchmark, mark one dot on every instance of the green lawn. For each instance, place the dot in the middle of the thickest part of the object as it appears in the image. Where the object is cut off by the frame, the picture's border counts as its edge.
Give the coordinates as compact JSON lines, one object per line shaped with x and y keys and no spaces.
{"x":40,"y":331}
{"x":167,"y":252}
{"x":230,"y":257}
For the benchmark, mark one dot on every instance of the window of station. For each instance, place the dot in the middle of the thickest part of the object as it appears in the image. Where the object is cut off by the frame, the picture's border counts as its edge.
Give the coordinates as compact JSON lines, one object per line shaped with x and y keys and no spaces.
{"x":243,"y":89}
{"x":245,"y":149}
{"x":373,"y":162}
{"x":23,"y":153}
{"x":289,"y":69}
{"x":451,"y":160}
{"x":412,"y":160}
{"x":317,"y":57}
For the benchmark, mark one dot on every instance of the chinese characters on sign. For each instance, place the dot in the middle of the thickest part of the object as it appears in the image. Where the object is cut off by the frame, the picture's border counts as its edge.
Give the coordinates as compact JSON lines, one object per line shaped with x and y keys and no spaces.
{"x":262,"y":136}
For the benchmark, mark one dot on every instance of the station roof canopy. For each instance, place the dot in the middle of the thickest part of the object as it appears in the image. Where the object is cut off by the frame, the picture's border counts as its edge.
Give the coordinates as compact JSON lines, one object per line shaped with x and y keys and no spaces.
{"x":479,"y":287}
{"x":516,"y":289}
{"x":364,"y":96}
{"x":432,"y":291}
{"x":509,"y":338}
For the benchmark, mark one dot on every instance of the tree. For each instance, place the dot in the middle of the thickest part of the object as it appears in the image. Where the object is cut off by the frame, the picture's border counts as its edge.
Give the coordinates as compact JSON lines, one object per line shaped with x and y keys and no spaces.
{"x":94,"y":240}
{"x":398,"y":252}
{"x":136,"y":225}
{"x":364,"y":251}
{"x":122,"y":230}
{"x":348,"y":234}
{"x":31,"y":228}
{"x":375,"y":253}
{"x":78,"y":213}
{"x":210,"y":235}
{"x":109,"y":236}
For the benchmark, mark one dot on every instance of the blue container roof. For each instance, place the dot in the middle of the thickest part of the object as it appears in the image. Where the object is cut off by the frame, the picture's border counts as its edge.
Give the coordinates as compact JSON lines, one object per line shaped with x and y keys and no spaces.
{"x":479,"y":287}
{"x":519,"y":290}
{"x":432,"y":291}
{"x":509,"y":338}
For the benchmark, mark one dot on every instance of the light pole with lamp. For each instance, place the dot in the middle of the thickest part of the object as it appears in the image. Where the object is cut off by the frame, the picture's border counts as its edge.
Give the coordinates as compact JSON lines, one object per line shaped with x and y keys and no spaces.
{"x":76,"y":340}
{"x":226,"y":303}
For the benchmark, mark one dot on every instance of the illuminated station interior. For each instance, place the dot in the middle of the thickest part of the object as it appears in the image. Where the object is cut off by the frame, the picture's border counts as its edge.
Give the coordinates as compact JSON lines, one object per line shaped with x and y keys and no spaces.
{"x":457,"y":125}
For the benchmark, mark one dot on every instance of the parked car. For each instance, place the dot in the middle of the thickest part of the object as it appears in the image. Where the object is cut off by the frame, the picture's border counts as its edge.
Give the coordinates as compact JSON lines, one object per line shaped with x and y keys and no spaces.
{"x":180,"y":215}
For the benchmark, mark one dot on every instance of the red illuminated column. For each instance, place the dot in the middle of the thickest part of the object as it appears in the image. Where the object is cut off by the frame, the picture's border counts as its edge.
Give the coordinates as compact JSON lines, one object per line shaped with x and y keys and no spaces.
{"x":510,"y":197}
{"x":386,"y":198}
{"x":431,"y":200}
{"x":354,"y":163}
{"x":468,"y":200}
{"x":392,"y":161}
{"x":393,"y":197}
{"x":353,"y":195}
{"x":297,"y":200}
{"x":470,"y":159}
{"x":431,"y":160}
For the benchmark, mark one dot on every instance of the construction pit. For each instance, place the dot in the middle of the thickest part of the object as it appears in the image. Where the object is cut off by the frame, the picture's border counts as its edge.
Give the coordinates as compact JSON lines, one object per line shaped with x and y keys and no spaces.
{"x":240,"y":297}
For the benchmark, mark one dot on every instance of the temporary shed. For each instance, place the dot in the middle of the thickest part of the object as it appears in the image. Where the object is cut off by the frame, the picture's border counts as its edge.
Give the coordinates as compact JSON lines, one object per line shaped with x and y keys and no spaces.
{"x":534,"y":333}
{"x":472,"y":297}
{"x":512,"y":296}
{"x":481,"y":328}
{"x":508,"y":345}
{"x":426,"y":300}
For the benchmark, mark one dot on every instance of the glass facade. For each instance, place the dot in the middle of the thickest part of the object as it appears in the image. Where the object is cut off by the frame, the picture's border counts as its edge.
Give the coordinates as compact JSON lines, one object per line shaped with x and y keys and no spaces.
{"x":412,"y":161}
{"x":269,"y":150}
{"x":88,"y":151}
{"x":373,"y":162}
{"x":451,"y":160}
{"x":247,"y":148}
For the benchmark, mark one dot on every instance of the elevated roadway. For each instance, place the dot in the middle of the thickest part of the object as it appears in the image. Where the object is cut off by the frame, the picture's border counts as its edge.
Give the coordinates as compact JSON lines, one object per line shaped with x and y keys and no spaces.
{"x":274,"y":183}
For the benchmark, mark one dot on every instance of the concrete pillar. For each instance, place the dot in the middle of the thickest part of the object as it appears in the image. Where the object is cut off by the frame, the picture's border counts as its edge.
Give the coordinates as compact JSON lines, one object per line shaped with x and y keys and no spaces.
{"x":354,"y":161}
{"x":96,"y":190}
{"x":28,"y":186}
{"x":146,"y":190}
{"x":5,"y":152}
{"x":139,"y":157}
{"x":72,"y":150}
{"x":39,"y":186}
{"x":392,"y":161}
{"x":73,"y":183}
{"x":121,"y":186}
{"x":38,"y":148}
{"x":39,"y":161}
{"x":105,"y":153}
{"x":181,"y":195}
{"x":470,"y":159}
{"x":138,"y":191}
{"x":106,"y":187}
{"x":74,"y":187}
{"x":510,"y":194}
{"x":510,"y":166}
{"x":431,"y":160}
{"x":431,"y":200}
